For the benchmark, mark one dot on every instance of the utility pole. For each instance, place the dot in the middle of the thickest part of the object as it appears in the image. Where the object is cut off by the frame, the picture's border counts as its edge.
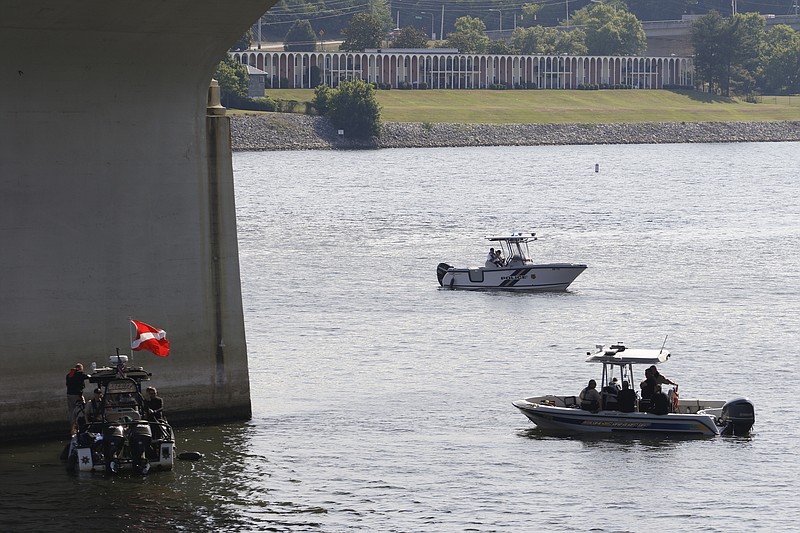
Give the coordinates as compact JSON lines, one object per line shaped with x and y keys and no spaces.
{"x":441,"y":31}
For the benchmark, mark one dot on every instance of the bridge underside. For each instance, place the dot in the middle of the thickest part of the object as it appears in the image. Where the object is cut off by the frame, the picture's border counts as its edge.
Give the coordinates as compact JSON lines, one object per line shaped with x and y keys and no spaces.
{"x":110,"y":205}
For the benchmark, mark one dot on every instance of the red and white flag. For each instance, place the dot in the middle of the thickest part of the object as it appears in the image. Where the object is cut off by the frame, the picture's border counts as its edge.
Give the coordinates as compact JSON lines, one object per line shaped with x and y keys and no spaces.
{"x":151,"y":339}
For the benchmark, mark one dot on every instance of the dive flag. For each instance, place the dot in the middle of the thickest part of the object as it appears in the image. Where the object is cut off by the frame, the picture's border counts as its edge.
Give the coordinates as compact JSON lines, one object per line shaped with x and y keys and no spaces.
{"x":151,"y":339}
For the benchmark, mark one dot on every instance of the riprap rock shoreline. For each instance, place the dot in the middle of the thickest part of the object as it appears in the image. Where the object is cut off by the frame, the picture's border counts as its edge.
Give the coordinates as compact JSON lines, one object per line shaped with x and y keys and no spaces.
{"x":288,"y":131}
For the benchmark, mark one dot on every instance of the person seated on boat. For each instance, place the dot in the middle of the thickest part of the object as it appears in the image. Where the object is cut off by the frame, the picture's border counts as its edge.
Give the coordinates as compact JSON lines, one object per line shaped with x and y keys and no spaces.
{"x":660,"y":402}
{"x":626,"y":398}
{"x":491,"y":259}
{"x":153,"y":405}
{"x":590,"y":398}
{"x":499,"y":260}
{"x":94,"y":408}
{"x":609,"y":395}
{"x":612,"y":387}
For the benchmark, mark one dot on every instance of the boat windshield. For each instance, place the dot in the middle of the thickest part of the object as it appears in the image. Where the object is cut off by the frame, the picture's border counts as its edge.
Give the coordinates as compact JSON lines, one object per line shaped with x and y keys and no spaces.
{"x":623,"y":372}
{"x":515,"y":247}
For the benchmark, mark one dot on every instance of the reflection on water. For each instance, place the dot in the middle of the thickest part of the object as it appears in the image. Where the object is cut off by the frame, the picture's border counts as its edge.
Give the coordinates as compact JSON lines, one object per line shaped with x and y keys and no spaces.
{"x":614,"y":441}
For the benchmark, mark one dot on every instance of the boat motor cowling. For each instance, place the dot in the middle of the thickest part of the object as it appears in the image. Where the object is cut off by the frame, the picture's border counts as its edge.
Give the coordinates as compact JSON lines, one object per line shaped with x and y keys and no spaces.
{"x":113,"y":442}
{"x":441,"y":270}
{"x":140,"y":438}
{"x":738,"y":416}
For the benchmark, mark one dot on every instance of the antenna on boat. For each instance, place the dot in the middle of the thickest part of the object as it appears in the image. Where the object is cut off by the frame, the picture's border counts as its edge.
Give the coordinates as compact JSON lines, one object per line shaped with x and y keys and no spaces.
{"x":664,"y":344}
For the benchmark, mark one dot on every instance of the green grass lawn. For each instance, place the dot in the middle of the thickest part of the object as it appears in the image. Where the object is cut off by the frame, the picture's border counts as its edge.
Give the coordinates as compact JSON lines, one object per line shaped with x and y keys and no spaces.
{"x":562,"y":106}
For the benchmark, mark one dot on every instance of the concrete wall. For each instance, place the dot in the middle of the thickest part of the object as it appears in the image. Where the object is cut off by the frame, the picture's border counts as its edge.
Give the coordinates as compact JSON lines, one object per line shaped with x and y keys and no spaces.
{"x":110,"y":206}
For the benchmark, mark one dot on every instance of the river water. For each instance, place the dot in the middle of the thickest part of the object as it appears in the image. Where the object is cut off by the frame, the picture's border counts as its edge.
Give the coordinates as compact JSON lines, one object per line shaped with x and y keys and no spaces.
{"x":383,"y":403}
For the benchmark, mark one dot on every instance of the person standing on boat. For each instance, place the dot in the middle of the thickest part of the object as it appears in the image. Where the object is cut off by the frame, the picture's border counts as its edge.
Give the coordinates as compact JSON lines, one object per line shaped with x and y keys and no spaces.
{"x":648,"y":386}
{"x":75,"y":383}
{"x":660,"y":379}
{"x":153,"y":405}
{"x":590,"y":398}
{"x":94,"y":408}
{"x":626,"y":398}
{"x":79,"y":415}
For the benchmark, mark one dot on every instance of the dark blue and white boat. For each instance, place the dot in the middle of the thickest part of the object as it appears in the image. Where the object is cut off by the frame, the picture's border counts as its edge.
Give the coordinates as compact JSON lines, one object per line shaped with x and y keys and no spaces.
{"x":687,"y":416}
{"x":515,"y":271}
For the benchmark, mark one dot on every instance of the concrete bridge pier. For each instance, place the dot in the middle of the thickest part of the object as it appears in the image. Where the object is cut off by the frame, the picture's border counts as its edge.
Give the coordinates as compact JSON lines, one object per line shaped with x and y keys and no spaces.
{"x":116,"y":201}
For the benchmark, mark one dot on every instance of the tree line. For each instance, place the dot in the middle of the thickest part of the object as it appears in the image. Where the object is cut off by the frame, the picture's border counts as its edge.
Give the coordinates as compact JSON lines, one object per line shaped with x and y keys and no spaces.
{"x":329,"y":18}
{"x":732,"y":55}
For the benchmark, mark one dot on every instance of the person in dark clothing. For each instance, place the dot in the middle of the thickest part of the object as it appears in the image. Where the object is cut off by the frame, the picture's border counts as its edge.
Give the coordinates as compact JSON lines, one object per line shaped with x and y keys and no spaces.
{"x":626,"y":399}
{"x":75,"y":383}
{"x":153,"y":405}
{"x":659,"y":378}
{"x":648,"y":386}
{"x":660,"y":402}
{"x":79,"y":415}
{"x":590,"y":398}
{"x":94,"y":408}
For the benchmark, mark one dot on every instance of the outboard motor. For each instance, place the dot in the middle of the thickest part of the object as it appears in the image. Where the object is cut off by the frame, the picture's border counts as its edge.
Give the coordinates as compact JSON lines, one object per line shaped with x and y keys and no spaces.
{"x":441,"y":270}
{"x":738,"y":416}
{"x":140,"y":439}
{"x":113,"y":442}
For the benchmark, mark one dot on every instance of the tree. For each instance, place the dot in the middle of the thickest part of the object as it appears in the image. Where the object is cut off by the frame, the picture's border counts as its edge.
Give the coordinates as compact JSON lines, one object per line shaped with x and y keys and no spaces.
{"x":352,"y":107}
{"x":549,"y":41}
{"x":726,"y":50}
{"x":380,"y":10}
{"x":364,"y":31}
{"x":410,"y":37}
{"x":500,"y":47}
{"x":469,"y":37}
{"x":779,"y":69}
{"x":707,"y":35}
{"x":610,"y":30}
{"x":747,"y":35}
{"x":233,"y":80}
{"x":300,"y":37}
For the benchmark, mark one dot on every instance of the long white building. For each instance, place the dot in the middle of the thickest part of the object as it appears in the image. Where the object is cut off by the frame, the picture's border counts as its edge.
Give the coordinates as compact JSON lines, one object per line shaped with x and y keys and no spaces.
{"x":445,"y":69}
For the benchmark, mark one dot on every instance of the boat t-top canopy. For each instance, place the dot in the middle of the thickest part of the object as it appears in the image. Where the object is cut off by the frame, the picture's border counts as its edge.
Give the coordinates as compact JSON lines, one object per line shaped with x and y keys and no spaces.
{"x":514,"y":237}
{"x":617,"y":354}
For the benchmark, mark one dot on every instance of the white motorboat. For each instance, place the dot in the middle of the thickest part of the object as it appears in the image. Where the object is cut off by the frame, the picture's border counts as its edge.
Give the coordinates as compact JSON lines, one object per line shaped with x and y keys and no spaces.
{"x":514,"y":271}
{"x":687,"y":416}
{"x":124,"y":437}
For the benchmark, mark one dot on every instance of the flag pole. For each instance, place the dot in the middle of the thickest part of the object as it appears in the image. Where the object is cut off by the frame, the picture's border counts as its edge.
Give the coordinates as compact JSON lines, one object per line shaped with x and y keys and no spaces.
{"x":130,"y":335}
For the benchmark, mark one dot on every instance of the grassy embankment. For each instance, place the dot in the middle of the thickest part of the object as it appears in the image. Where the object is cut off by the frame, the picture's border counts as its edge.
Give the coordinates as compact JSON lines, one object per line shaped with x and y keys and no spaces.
{"x":559,"y":106}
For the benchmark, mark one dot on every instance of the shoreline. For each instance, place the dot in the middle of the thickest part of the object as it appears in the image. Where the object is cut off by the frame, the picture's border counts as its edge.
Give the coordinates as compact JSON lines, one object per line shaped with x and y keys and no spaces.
{"x":292,"y":131}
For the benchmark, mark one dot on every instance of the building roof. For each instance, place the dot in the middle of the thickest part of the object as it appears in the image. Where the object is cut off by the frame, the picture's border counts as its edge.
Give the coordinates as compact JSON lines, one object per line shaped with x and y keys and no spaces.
{"x":253,"y":70}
